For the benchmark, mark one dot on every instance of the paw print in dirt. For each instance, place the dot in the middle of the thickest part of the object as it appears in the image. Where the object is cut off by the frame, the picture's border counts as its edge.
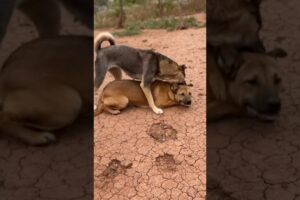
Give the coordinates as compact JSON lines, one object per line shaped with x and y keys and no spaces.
{"x":162,"y":132}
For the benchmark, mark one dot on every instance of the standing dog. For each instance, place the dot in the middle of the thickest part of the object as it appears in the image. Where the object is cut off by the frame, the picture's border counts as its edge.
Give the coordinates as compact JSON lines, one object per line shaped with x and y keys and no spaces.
{"x":144,"y":65}
{"x":44,"y":86}
{"x":117,"y":95}
{"x":46,"y":14}
{"x":242,"y":84}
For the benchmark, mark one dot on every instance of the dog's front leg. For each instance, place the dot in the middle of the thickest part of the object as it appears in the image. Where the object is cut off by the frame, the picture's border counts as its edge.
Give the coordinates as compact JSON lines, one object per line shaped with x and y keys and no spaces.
{"x":217,"y":110}
{"x":149,"y":97}
{"x":149,"y":70}
{"x":45,"y":15}
{"x":6,"y":10}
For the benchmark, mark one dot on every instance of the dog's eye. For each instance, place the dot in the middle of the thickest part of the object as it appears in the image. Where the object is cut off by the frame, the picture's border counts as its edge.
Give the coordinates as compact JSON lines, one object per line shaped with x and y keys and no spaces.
{"x":182,"y":93}
{"x":190,"y":93}
{"x":277,"y":80}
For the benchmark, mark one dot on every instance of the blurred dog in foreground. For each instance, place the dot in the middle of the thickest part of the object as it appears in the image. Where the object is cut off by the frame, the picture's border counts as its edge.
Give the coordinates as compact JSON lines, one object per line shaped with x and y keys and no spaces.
{"x":44,"y":86}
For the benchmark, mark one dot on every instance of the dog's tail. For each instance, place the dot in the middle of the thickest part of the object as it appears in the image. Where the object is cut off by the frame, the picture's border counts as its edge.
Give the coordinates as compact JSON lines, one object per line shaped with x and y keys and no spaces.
{"x":105,"y":36}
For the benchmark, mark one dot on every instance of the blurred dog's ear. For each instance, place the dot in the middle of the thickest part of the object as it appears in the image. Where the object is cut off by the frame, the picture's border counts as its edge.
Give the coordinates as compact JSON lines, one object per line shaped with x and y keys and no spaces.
{"x":183,"y":66}
{"x":277,"y":53}
{"x":255,"y":2}
{"x":228,"y":59}
{"x":174,"y":87}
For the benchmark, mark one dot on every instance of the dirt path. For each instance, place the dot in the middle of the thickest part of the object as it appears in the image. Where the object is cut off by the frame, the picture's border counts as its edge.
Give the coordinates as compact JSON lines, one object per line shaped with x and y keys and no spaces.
{"x":148,"y":168}
{"x":253,"y":160}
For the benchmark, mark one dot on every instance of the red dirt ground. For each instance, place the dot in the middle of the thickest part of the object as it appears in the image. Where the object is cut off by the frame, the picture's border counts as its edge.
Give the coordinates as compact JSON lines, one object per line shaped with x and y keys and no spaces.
{"x":130,"y":163}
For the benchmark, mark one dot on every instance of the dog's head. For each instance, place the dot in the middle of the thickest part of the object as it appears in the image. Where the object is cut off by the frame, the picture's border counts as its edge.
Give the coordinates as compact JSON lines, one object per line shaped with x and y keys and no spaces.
{"x":182,"y":93}
{"x":171,"y":72}
{"x":254,"y":82}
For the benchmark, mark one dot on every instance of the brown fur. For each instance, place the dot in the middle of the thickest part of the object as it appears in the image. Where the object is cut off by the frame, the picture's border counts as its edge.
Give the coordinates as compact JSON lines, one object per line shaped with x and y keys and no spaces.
{"x":139,"y":64}
{"x":44,"y":86}
{"x":232,"y":22}
{"x":117,"y":95}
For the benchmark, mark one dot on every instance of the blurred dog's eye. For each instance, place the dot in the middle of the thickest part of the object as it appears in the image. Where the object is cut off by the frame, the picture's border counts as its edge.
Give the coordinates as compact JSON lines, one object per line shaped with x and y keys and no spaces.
{"x":277,"y":80}
{"x":190,"y":93}
{"x":252,"y":82}
{"x":182,"y":94}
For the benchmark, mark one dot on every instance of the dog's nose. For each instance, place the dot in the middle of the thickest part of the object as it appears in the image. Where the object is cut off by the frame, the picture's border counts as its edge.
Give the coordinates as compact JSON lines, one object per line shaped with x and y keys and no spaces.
{"x":189,"y":102}
{"x":274,"y":105}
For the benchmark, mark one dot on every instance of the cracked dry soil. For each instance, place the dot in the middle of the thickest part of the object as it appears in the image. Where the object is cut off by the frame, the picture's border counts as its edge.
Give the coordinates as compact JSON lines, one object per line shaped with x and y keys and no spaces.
{"x":61,"y":171}
{"x":166,"y":153}
{"x":250,"y":160}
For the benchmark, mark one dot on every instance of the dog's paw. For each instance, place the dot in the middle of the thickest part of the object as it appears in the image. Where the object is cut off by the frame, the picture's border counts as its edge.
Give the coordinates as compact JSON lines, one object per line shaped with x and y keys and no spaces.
{"x":42,"y":138}
{"x":115,"y":112}
{"x":158,"y":111}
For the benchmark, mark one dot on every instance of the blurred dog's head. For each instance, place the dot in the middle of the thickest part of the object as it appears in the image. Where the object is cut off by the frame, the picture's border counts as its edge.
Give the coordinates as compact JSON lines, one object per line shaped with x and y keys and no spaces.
{"x":254,"y":82}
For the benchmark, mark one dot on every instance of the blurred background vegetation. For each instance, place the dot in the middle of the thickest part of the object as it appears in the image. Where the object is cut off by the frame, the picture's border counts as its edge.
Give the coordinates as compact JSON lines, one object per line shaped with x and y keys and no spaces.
{"x":134,"y":15}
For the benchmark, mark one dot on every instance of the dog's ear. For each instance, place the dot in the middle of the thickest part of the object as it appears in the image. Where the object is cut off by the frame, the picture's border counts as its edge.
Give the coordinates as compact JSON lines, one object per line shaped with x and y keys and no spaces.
{"x":174,"y":87}
{"x":277,"y":53}
{"x":183,"y":67}
{"x":227,"y":60}
{"x":166,"y":67}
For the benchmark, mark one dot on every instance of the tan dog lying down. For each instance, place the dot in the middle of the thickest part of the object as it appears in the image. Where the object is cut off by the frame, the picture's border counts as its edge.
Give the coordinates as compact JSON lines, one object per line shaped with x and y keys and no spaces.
{"x":117,"y":95}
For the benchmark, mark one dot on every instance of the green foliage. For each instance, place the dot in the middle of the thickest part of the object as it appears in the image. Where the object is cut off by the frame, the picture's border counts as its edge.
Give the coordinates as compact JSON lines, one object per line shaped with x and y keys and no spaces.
{"x":147,"y":10}
{"x":168,"y":24}
{"x":129,"y":31}
{"x":100,"y":2}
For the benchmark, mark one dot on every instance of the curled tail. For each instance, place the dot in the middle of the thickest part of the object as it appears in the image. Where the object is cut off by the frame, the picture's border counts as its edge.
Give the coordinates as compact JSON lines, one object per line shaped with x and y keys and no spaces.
{"x":101,"y":37}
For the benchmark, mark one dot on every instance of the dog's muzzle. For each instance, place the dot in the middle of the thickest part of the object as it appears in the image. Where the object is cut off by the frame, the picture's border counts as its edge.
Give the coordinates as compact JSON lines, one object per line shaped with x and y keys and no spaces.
{"x":187,"y":102}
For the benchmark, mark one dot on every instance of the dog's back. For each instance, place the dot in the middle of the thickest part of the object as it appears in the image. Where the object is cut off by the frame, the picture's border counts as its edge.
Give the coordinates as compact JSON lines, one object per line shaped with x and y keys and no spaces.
{"x":129,"y":88}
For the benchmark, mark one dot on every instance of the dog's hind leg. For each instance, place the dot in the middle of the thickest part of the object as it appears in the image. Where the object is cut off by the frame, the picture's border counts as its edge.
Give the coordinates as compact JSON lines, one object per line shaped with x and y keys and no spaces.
{"x":44,"y":14}
{"x":99,"y":108}
{"x":112,"y":110}
{"x":81,"y":10}
{"x":114,"y":105}
{"x":217,"y":110}
{"x":100,"y":71}
{"x":30,"y":136}
{"x":39,"y":112}
{"x":116,"y":72}
{"x":6,"y":10}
